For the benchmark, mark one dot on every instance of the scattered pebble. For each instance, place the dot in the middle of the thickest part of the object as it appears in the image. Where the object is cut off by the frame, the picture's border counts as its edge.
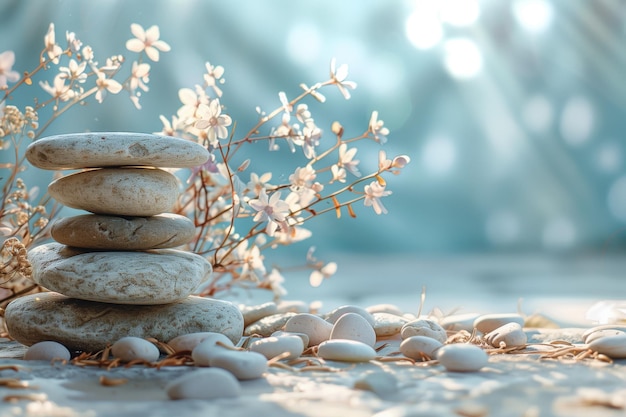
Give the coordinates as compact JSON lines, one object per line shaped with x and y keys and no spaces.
{"x":334,"y":315}
{"x":415,"y":347}
{"x":462,"y":357}
{"x":292,"y":307}
{"x":188,"y":342}
{"x":354,"y":326}
{"x":510,"y":334}
{"x":204,"y":384}
{"x":385,"y":308}
{"x":272,"y":346}
{"x":268,"y":325}
{"x":257,"y":312}
{"x":242,"y":364}
{"x":387,"y":325}
{"x":47,"y":351}
{"x":588,"y":332}
{"x":315,"y":327}
{"x":132,"y":348}
{"x":489,"y":322}
{"x":204,"y":351}
{"x":602,"y":333}
{"x":424,"y":327}
{"x":304,"y":337}
{"x":458,"y":322}
{"x":346,"y":351}
{"x":612,"y":346}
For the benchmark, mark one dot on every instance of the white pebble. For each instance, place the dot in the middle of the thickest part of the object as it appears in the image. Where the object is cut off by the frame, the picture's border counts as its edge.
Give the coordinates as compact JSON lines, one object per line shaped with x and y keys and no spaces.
{"x":47,"y":351}
{"x":345,"y":351}
{"x":286,"y":306}
{"x":458,"y":322}
{"x":268,"y":325}
{"x":243,"y":365}
{"x":304,"y":337}
{"x":384,"y":308}
{"x":387,"y":325}
{"x":380,"y":383}
{"x":204,"y":384}
{"x":188,"y":342}
{"x":415,"y":347}
{"x":602,"y":333}
{"x":313,"y":326}
{"x":612,"y":346}
{"x":131,"y":348}
{"x":334,"y":315}
{"x":203,"y":352}
{"x":353,"y":326}
{"x":257,"y":312}
{"x":510,"y":334}
{"x":489,"y":322}
{"x":424,"y":327}
{"x":270,"y":347}
{"x":602,"y":327}
{"x":462,"y":357}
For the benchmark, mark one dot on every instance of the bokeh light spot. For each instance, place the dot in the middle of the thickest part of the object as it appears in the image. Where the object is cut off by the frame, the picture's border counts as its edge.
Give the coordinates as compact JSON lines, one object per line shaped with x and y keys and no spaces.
{"x":577,"y":120}
{"x":439,"y":155}
{"x":538,"y":114}
{"x":534,"y":16}
{"x":462,"y":58}
{"x":304,"y":43}
{"x":459,"y":12}
{"x":423,"y":28}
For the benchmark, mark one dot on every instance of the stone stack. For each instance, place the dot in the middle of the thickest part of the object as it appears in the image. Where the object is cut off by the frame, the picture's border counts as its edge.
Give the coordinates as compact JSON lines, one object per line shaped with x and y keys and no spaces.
{"x":114,"y":272}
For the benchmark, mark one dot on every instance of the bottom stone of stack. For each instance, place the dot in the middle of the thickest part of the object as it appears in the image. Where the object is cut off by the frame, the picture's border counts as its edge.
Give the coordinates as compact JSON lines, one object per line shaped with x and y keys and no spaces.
{"x":89,"y":326}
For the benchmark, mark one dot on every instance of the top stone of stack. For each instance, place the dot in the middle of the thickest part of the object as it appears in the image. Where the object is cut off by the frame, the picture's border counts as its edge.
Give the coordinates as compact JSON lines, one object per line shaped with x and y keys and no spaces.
{"x":114,"y":149}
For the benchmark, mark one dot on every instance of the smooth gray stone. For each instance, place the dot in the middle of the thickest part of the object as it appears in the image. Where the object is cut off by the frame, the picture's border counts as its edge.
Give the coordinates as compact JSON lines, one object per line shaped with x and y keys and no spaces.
{"x":90,"y":326}
{"x":95,"y":231}
{"x":157,"y":276}
{"x":107,"y":149}
{"x":118,"y":191}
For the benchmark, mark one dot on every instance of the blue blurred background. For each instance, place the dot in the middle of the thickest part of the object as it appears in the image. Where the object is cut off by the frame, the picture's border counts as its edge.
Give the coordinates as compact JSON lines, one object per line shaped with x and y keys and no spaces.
{"x":512,"y":111}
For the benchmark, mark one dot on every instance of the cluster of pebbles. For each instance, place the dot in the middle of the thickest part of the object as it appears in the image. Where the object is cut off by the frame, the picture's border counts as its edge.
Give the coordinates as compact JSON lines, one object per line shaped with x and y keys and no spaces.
{"x":115,"y":271}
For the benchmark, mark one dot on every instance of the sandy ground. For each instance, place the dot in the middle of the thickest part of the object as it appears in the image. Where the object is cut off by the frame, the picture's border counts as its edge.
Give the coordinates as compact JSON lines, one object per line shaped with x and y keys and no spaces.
{"x":511,"y":385}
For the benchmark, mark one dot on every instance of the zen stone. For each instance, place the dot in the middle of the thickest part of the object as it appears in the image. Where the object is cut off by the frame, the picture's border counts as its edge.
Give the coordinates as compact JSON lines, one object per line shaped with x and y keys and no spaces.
{"x":188,"y":342}
{"x":47,"y":351}
{"x":313,"y":326}
{"x":415,"y":347}
{"x":510,"y":334}
{"x":462,"y":357}
{"x":595,"y":329}
{"x":271,"y":347}
{"x":387,"y":325}
{"x":257,"y":312}
{"x":602,"y":333}
{"x":346,"y":351}
{"x":268,"y":325}
{"x":108,"y":149}
{"x":424,"y":327}
{"x":158,"y":276}
{"x":243,"y":365}
{"x":132,"y":348}
{"x":612,"y":346}
{"x":95,"y":231}
{"x":205,"y":384}
{"x":304,"y":337}
{"x":89,"y":326}
{"x":458,"y":322}
{"x":118,"y":191}
{"x":353,"y":326}
{"x":212,"y":344}
{"x":489,"y":322}
{"x":334,"y":315}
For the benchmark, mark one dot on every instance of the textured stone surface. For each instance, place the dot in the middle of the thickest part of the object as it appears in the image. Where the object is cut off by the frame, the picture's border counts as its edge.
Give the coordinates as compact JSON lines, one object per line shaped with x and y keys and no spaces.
{"x":118,"y":191}
{"x":89,"y":326}
{"x":95,"y":231}
{"x":157,"y":276}
{"x":104,"y":149}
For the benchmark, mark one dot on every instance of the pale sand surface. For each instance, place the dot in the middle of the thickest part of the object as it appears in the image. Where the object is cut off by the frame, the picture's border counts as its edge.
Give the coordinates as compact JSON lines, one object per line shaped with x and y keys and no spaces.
{"x":511,"y":385}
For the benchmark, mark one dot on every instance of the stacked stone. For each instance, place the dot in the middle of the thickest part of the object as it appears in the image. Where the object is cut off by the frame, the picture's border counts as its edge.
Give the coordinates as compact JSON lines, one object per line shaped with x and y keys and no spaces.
{"x":115,"y":272}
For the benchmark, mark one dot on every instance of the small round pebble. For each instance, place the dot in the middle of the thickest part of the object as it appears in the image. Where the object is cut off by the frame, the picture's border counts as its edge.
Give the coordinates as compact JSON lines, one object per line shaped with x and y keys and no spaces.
{"x":204,"y":384}
{"x":345,"y":351}
{"x":257,"y":312}
{"x":304,"y":337}
{"x":612,"y":346}
{"x":602,"y":333}
{"x":387,"y":325}
{"x":131,"y":348}
{"x":188,"y":342}
{"x":268,"y":325}
{"x":315,"y":327}
{"x":354,"y":326}
{"x":424,"y":327}
{"x":415,"y":347}
{"x":595,"y":329}
{"x":204,"y":351}
{"x":47,"y":351}
{"x":243,"y":365}
{"x":334,"y":315}
{"x":462,"y":357}
{"x":489,"y":322}
{"x":270,"y":347}
{"x":510,"y":334}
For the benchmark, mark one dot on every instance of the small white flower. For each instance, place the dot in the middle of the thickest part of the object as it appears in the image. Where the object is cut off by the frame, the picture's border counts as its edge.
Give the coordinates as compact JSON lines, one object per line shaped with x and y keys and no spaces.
{"x":7,"y":59}
{"x":377,"y":129}
{"x":105,"y":84}
{"x":191,"y":100}
{"x":347,"y":161}
{"x":373,"y":193}
{"x":273,"y":210}
{"x":147,"y":40}
{"x":74,"y":71}
{"x":319,"y":275}
{"x":73,"y":42}
{"x":54,"y":51}
{"x":213,"y":76}
{"x":210,"y":117}
{"x":339,"y":174}
{"x":58,"y":89}
{"x":338,"y":77}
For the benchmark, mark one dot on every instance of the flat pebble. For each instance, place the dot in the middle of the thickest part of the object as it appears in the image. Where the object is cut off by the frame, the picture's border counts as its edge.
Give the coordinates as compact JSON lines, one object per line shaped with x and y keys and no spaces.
{"x":334,"y":315}
{"x":345,"y":351}
{"x":489,"y":322}
{"x":510,"y":334}
{"x":458,"y":322}
{"x":602,"y":333}
{"x":385,"y":308}
{"x":424,"y":327}
{"x":188,"y":342}
{"x":612,"y":346}
{"x":272,"y":346}
{"x":415,"y":347}
{"x":204,"y":384}
{"x":47,"y":351}
{"x":132,"y":348}
{"x":313,"y":326}
{"x":268,"y":325}
{"x":462,"y":357}
{"x":304,"y":337}
{"x":292,"y":306}
{"x":257,"y":312}
{"x":89,"y":326}
{"x":117,"y":191}
{"x":205,"y":350}
{"x":243,"y":365}
{"x":594,"y":329}
{"x":354,"y":326}
{"x":101,"y":149}
{"x":387,"y":325}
